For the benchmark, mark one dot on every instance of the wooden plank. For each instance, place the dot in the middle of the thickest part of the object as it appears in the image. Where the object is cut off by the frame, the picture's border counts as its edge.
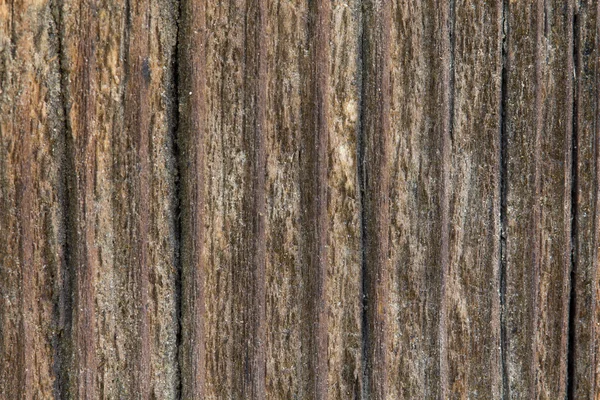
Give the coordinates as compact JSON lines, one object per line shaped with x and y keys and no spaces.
{"x":538,"y":245}
{"x":582,"y":314}
{"x":521,"y":234}
{"x":343,"y":286}
{"x":31,"y":194}
{"x":313,"y":184}
{"x":416,"y":169}
{"x":297,"y":216}
{"x":147,"y":242}
{"x":217,"y":176}
{"x":191,"y":135}
{"x":248,"y":272}
{"x":136,"y":120}
{"x":287,"y":160}
{"x":472,"y":295}
{"x":122,"y":338}
{"x":314,"y":199}
{"x":444,"y":238}
{"x":83,"y":262}
{"x":374,"y":149}
{"x":234,"y":196}
{"x":82,"y":208}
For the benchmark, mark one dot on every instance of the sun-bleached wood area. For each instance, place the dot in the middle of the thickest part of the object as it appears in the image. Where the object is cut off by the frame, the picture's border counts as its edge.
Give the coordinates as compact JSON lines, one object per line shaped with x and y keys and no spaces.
{"x":299,"y":199}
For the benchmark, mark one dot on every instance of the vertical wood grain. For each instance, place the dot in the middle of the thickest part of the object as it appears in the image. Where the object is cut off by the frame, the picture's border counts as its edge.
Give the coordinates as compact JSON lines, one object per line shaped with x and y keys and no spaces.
{"x":374,"y":143}
{"x":287,"y":160}
{"x":219,"y":51}
{"x":83,"y":263}
{"x":582,"y":347}
{"x":298,"y":199}
{"x":314,"y":223}
{"x":191,"y":135}
{"x":521,"y":233}
{"x":137,"y":129}
{"x":343,"y":289}
{"x":249,"y":308}
{"x":234,"y":227}
{"x":31,"y":192}
{"x":121,"y":239}
{"x":416,"y":169}
{"x":472,"y":291}
{"x":539,"y":129}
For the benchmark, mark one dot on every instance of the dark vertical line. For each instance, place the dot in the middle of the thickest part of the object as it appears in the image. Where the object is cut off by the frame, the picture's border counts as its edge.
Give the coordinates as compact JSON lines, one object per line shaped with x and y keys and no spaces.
{"x":360,"y":163}
{"x":249,"y":272}
{"x":535,"y":270}
{"x":452,"y":78}
{"x":572,"y":334}
{"x":315,"y":186}
{"x":259,"y":205}
{"x":448,"y":47}
{"x":177,"y":209}
{"x":24,"y":207}
{"x":125,"y":47}
{"x":503,"y":197}
{"x":144,"y":131}
{"x":362,"y":177}
{"x":191,"y":133}
{"x":13,"y":31}
{"x":138,"y":129}
{"x":374,"y":140}
{"x":63,"y":308}
{"x":596,"y":208}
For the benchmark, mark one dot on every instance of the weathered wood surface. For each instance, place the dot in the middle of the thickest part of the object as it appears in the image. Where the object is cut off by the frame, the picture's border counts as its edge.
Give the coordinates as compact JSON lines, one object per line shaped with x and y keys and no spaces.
{"x":299,"y":199}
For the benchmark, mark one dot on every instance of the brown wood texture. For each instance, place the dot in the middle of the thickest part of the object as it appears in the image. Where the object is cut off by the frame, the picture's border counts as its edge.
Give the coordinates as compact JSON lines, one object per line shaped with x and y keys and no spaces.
{"x":299,"y":199}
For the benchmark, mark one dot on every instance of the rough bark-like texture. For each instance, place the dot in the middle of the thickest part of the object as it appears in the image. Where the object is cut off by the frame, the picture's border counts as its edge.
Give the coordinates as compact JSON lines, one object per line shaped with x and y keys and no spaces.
{"x":583,"y":346}
{"x":300,"y":199}
{"x":120,"y":313}
{"x":539,"y":113}
{"x":191,"y":146}
{"x":374,"y":176}
{"x":344,"y":240}
{"x":415,"y":209}
{"x":471,"y":297}
{"x":31,"y":194}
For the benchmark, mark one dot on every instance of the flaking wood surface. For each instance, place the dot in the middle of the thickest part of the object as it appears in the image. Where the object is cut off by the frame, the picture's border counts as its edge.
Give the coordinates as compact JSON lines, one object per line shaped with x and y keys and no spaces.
{"x":299,"y":199}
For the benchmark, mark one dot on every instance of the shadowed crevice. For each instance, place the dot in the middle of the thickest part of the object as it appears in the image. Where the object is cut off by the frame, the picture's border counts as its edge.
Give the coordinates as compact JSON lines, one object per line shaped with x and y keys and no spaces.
{"x":177,"y":200}
{"x":571,"y":345}
{"x":503,"y":199}
{"x":360,"y":156}
{"x":191,"y":132}
{"x":63,"y":308}
{"x":446,"y":160}
{"x":374,"y":175}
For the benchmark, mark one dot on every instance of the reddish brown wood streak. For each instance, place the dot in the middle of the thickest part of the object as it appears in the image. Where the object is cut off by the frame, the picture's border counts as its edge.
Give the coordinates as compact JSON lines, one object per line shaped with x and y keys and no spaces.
{"x":26,"y":259}
{"x":137,"y":117}
{"x":191,"y":135}
{"x":594,"y":347}
{"x":536,"y":234}
{"x":582,"y":359}
{"x":569,"y":208}
{"x":85,"y":259}
{"x":249,"y":346}
{"x":313,"y":186}
{"x":376,"y":133}
{"x":446,"y":132}
{"x":321,"y":101}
